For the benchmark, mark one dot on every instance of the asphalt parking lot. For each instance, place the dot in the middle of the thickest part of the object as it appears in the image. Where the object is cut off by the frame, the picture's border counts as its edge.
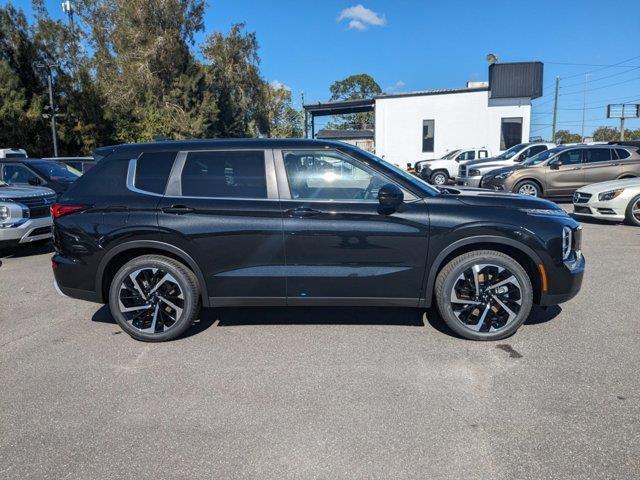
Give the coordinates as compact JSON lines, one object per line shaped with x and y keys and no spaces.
{"x":323,"y":393}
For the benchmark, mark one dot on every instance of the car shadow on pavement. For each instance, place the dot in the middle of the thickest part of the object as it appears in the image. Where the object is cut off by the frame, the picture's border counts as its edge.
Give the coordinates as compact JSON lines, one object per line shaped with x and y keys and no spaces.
{"x":37,"y":248}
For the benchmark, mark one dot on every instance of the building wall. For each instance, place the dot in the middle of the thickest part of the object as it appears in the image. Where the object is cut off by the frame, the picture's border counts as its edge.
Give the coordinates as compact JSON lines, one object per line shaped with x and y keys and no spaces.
{"x":467,"y":119}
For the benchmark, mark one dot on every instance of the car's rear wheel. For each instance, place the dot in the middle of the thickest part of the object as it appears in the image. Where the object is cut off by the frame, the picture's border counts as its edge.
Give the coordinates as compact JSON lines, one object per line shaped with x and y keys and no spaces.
{"x":632,"y":215}
{"x":154,"y":298}
{"x":528,"y":187}
{"x":484,"y":295}
{"x":439,"y":177}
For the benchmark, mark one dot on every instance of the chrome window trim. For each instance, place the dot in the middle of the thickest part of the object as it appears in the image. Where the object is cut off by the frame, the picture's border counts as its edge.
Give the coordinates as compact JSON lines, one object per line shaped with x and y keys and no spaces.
{"x":285,"y":191}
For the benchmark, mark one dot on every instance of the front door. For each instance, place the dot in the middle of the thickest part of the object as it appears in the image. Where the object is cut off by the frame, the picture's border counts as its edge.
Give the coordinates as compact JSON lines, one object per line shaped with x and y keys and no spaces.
{"x":341,"y":247}
{"x":222,"y":208}
{"x":567,"y":177}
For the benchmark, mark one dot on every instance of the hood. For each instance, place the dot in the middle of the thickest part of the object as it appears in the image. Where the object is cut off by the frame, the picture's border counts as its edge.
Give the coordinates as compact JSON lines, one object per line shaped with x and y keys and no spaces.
{"x":14,"y":191}
{"x":482,"y":161}
{"x":511,"y":168}
{"x":611,"y":185}
{"x":481,"y":197}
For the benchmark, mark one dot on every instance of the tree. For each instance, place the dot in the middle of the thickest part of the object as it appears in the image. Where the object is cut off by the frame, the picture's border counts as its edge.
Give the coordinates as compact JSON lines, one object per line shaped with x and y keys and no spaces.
{"x":565,"y":136}
{"x":354,"y":87}
{"x":234,"y":77}
{"x":284,"y":120}
{"x":606,"y":134}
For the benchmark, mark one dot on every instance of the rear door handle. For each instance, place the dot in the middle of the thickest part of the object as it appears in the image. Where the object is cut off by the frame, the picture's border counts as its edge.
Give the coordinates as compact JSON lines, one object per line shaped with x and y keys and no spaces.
{"x":302,"y":212}
{"x":178,"y":209}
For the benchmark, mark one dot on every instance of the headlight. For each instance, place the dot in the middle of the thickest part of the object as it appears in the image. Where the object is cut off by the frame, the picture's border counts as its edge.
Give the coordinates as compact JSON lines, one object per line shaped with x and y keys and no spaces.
{"x":610,"y":195}
{"x":474,"y":173}
{"x":545,"y":212}
{"x":567,"y":240}
{"x":503,"y":175}
{"x":4,"y":213}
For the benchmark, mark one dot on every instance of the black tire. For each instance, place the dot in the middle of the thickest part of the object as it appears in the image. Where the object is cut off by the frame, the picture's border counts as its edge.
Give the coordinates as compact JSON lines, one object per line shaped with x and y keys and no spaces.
{"x":630,"y":218}
{"x":439,"y":177}
{"x":530,"y":186}
{"x":449,"y":276}
{"x":182,"y":280}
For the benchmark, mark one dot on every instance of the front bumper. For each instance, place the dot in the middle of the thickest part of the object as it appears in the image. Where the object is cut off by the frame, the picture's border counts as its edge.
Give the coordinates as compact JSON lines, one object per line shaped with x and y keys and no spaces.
{"x":564,"y":278}
{"x":468,"y":181}
{"x":492,"y":184}
{"x":32,"y":230}
{"x":599,"y":210}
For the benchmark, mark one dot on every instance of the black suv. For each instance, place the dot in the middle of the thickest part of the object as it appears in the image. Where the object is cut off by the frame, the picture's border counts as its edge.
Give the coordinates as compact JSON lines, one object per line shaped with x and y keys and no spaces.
{"x":158,"y":230}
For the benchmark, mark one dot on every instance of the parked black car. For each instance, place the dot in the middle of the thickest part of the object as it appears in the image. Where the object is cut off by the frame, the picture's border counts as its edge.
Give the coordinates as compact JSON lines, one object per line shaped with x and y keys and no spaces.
{"x":157,"y":230}
{"x":37,"y":172}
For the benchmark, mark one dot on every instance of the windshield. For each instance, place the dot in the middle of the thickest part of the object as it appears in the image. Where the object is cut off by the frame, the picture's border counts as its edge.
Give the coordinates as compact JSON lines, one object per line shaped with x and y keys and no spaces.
{"x":403,"y":173}
{"x":507,"y":154}
{"x":450,"y":155}
{"x":541,"y":157}
{"x":56,"y":171}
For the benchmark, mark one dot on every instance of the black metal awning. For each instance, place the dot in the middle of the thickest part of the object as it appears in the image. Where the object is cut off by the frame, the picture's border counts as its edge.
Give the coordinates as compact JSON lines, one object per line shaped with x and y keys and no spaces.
{"x":341,"y":107}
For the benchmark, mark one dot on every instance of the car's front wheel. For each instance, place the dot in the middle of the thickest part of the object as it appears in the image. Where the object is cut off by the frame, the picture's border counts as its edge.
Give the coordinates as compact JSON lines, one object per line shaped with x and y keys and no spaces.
{"x":632,"y":215}
{"x":154,"y":298}
{"x":528,"y":188}
{"x":484,"y":295}
{"x":439,"y":177}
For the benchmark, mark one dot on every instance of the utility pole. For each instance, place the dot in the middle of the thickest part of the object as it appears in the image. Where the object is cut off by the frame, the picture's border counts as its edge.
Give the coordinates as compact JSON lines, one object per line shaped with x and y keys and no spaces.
{"x":51,"y":107}
{"x":67,"y":7}
{"x":622,"y":127}
{"x":306,"y":119}
{"x":555,"y":111}
{"x":584,"y":103}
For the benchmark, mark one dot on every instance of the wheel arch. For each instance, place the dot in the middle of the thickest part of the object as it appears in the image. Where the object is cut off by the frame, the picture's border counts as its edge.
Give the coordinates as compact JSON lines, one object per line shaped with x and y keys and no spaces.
{"x":521,"y":253}
{"x":121,"y":254}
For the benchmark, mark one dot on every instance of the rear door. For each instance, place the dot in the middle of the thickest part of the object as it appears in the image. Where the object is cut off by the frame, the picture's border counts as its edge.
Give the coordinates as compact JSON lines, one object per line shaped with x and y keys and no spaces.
{"x":341,"y":247}
{"x":600,"y":164}
{"x":567,"y":177}
{"x":222,"y":207}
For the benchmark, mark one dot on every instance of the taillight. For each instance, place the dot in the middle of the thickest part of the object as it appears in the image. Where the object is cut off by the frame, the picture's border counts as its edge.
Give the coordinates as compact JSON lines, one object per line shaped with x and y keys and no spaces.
{"x":60,"y":209}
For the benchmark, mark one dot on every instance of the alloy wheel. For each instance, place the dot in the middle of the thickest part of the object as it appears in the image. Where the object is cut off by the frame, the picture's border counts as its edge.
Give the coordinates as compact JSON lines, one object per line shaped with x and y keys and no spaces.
{"x":635,"y":210}
{"x":486,"y":297}
{"x":151,"y":300}
{"x":439,"y":179}
{"x":528,"y":189}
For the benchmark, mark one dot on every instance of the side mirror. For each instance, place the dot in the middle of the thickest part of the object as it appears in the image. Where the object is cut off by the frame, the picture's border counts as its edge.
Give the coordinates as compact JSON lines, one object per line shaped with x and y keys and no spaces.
{"x":35,"y":181}
{"x":390,"y":196}
{"x":555,"y":164}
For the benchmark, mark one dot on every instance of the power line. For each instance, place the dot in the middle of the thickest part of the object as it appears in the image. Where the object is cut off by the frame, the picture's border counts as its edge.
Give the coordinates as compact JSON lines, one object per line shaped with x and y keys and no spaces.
{"x":602,"y":78}
{"x":600,"y":88}
{"x":599,"y":106}
{"x":604,"y":67}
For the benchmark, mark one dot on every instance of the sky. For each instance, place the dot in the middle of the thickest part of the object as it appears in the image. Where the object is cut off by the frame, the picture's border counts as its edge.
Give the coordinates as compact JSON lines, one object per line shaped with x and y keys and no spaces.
{"x":420,"y":45}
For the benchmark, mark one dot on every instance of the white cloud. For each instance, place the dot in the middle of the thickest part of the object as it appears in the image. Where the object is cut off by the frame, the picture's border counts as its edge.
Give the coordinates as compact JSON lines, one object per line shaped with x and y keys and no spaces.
{"x":360,"y":18}
{"x":278,"y":85}
{"x":396,"y":86}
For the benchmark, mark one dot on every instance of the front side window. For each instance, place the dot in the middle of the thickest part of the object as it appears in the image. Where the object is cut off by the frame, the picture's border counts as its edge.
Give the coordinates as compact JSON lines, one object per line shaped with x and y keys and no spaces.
{"x":152,"y":171}
{"x":14,"y":173}
{"x":329,"y":175}
{"x":595,"y":155}
{"x":224,"y":174}
{"x":468,"y":155}
{"x":428,"y":127}
{"x":510,"y":132}
{"x":570,"y":157}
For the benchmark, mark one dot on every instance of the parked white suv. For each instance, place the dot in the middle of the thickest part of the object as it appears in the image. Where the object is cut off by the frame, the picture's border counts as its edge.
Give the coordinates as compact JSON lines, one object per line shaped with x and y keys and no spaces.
{"x":470,"y":173}
{"x":13,"y":153}
{"x":442,"y":170}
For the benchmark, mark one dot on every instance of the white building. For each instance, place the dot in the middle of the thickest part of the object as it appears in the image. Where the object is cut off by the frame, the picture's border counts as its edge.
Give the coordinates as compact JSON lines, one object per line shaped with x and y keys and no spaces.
{"x":421,"y":125}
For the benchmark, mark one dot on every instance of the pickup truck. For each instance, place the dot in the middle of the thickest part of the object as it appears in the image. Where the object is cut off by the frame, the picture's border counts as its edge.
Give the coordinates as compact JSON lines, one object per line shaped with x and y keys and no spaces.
{"x":25,"y":215}
{"x":443,"y":170}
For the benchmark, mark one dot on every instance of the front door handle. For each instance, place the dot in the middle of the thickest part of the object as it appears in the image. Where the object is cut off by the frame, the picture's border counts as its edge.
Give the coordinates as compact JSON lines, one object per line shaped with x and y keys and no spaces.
{"x":178,"y":209}
{"x":301,"y":212}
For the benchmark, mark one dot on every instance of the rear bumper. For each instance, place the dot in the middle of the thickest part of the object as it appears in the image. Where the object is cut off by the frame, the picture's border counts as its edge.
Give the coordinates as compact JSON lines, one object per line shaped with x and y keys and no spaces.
{"x":65,"y":280}
{"x":32,"y":230}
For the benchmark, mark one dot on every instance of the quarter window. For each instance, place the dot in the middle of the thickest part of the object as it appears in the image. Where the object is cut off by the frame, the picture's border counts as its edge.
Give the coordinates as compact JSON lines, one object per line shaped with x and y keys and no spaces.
{"x":428,"y":130}
{"x":224,"y":174}
{"x":329,"y":175}
{"x":510,"y":132}
{"x":152,"y":171}
{"x":622,"y":153}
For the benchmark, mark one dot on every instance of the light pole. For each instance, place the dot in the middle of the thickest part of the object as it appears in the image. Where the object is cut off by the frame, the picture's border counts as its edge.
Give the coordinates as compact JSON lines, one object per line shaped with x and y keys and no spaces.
{"x":51,"y":107}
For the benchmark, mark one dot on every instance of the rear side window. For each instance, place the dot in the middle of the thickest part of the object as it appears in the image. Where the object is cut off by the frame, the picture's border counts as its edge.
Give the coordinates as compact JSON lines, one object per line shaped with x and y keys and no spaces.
{"x":224,"y":174}
{"x":483,"y":154}
{"x":598,"y":155}
{"x":622,"y":153}
{"x":152,"y":171}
